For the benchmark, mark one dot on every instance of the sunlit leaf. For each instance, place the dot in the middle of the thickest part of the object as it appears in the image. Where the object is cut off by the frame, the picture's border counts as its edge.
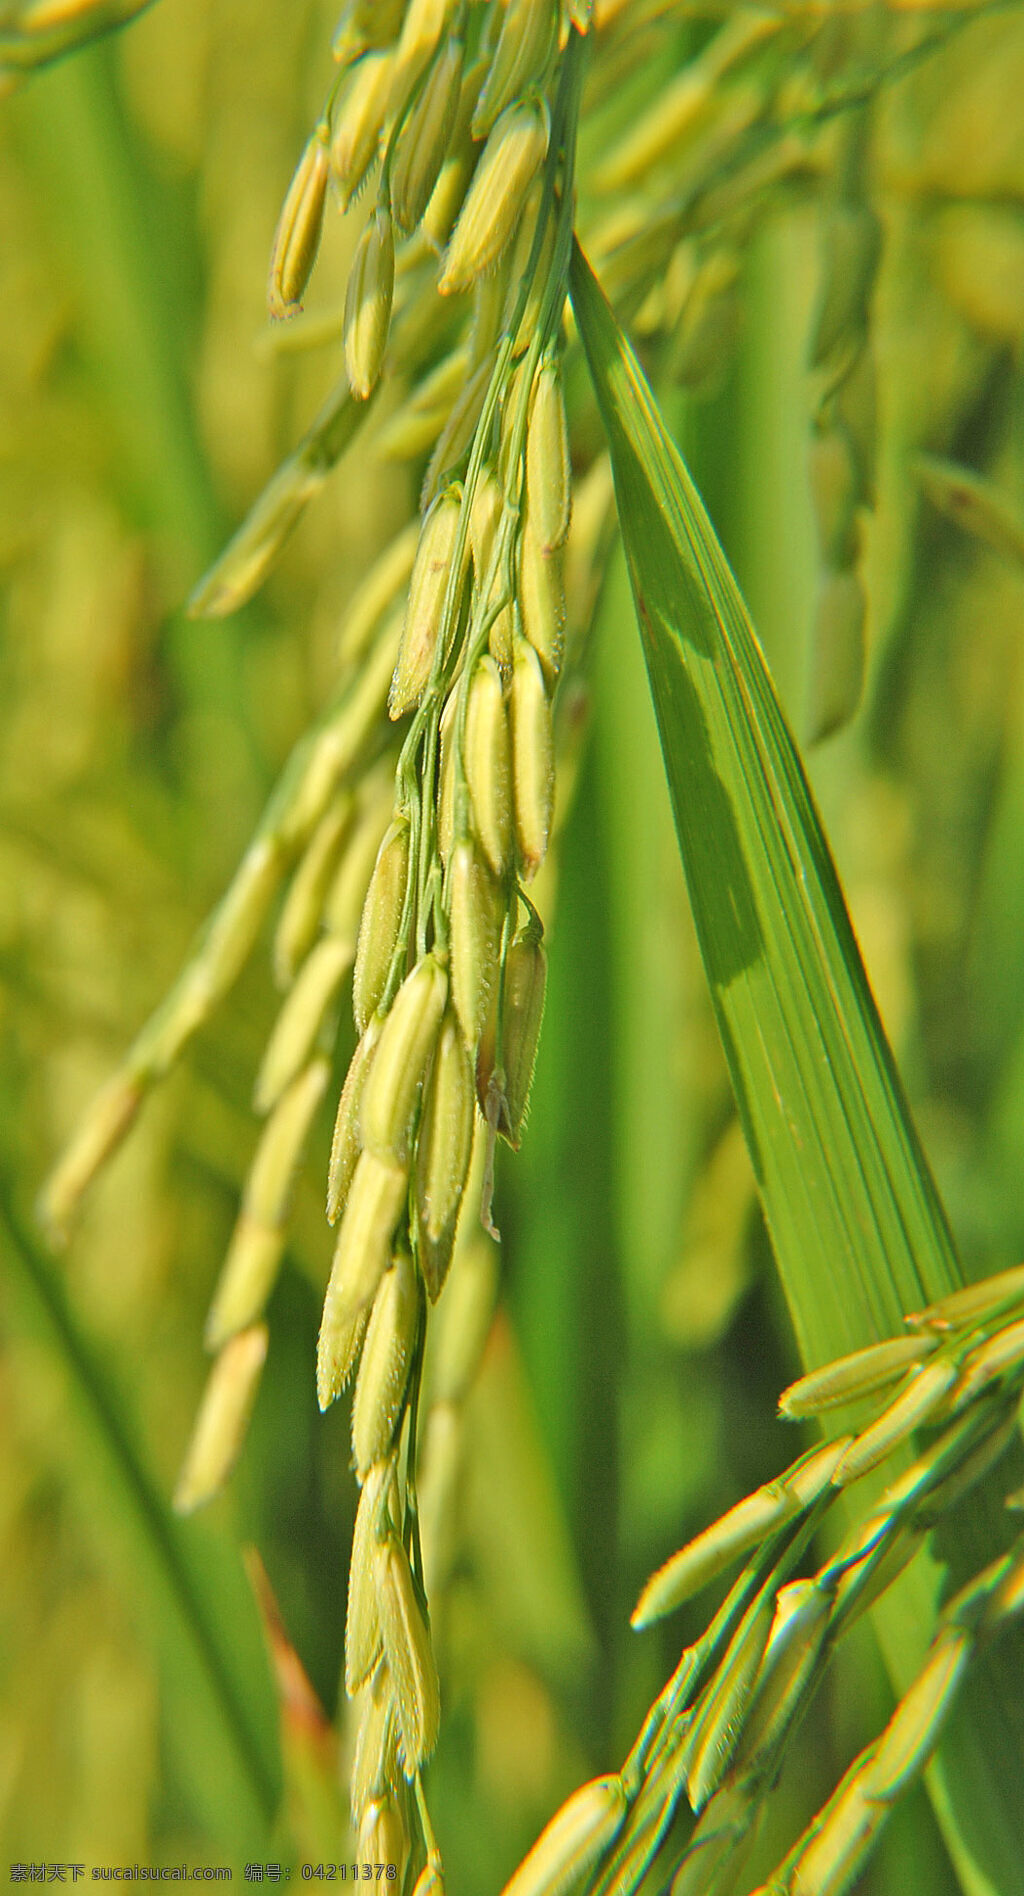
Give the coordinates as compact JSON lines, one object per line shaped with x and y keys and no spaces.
{"x":857,"y":1227}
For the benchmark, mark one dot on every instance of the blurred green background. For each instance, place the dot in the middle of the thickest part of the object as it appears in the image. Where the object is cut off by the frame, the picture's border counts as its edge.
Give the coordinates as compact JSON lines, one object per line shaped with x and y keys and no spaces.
{"x":632,"y":1397}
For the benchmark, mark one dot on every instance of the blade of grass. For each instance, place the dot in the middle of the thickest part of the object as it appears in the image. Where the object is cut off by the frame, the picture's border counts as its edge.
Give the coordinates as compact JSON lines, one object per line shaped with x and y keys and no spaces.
{"x":200,"y":1613}
{"x":805,"y":1047}
{"x":858,"y":1230}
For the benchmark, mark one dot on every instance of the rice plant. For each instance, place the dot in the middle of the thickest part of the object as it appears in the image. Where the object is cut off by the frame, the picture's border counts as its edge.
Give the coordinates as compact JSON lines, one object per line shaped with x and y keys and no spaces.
{"x":630,"y":1107}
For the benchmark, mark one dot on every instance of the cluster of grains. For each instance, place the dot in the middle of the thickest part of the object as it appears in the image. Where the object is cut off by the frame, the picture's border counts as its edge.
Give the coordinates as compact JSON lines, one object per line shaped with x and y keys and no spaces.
{"x":412,"y":825}
{"x":439,"y":280}
{"x":836,"y":1846}
{"x":448,"y":982}
{"x":718,"y":1732}
{"x":412,"y":822}
{"x":390,"y":1670}
{"x":667,"y":215}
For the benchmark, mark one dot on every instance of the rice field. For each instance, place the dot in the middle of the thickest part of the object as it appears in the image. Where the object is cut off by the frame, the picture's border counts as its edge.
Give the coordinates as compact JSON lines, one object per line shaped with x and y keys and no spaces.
{"x":511,"y":558}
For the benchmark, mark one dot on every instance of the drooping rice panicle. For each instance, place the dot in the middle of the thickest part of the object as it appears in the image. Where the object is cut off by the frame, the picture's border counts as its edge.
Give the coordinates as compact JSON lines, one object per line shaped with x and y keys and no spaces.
{"x":719,"y":1732}
{"x":413,"y":829}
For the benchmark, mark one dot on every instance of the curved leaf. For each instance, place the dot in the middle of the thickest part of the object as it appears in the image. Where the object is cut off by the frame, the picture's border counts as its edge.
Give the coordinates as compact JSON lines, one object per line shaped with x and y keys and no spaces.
{"x":857,"y":1227}
{"x":192,"y":1588}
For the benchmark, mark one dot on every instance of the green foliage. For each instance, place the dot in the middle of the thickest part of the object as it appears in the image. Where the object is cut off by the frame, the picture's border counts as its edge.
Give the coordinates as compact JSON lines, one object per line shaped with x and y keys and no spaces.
{"x":626,"y":1394}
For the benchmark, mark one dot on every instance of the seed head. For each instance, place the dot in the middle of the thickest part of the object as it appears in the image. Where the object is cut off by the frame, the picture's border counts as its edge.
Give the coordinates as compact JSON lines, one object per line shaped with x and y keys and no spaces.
{"x":702,"y":1559}
{"x":437,"y":1478}
{"x":996,"y":1357}
{"x":223,"y":1418}
{"x":917,"y":1400}
{"x":409,"y":1654}
{"x":511,"y":158}
{"x":346,"y":1144}
{"x":376,"y":593}
{"x":425,"y":137}
{"x":533,"y":759}
{"x":361,"y":1256}
{"x":976,"y":1300}
{"x":799,"y":1630}
{"x":573,"y":1841}
{"x":400,"y":1062}
{"x":515,"y":409}
{"x":381,"y":921}
{"x":346,"y":897}
{"x":548,"y":471}
{"x":366,"y":23}
{"x":362,"y":1618}
{"x":297,"y":238}
{"x":300,"y":1019}
{"x":449,"y":192}
{"x":303,"y":906}
{"x":542,"y":601}
{"x":524,"y":46}
{"x":338,"y":745}
{"x":519,"y":257}
{"x":913,"y":1730}
{"x":489,"y":765}
{"x":424,"y":23}
{"x":476,"y":916}
{"x":457,"y":434}
{"x":490,"y":295}
{"x":223,"y":950}
{"x":371,"y":289}
{"x":382,"y":1836}
{"x":852,"y":1377}
{"x":375,"y":1754}
{"x":358,"y":121}
{"x":415,"y":427}
{"x":258,"y":1237}
{"x":430,"y":1881}
{"x":836,"y":1845}
{"x":484,"y":522}
{"x":384,"y":1367}
{"x":722,"y":1713}
{"x":504,"y":1096}
{"x":443,"y":1151}
{"x":425,"y":611}
{"x":246,"y":1280}
{"x":484,"y":517}
{"x":106,"y":1123}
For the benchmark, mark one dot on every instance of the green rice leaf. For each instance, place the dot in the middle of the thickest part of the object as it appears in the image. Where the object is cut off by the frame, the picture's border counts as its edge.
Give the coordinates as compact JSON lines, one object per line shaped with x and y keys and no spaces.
{"x":859,"y":1233}
{"x":842,"y":1175}
{"x":189,"y":1587}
